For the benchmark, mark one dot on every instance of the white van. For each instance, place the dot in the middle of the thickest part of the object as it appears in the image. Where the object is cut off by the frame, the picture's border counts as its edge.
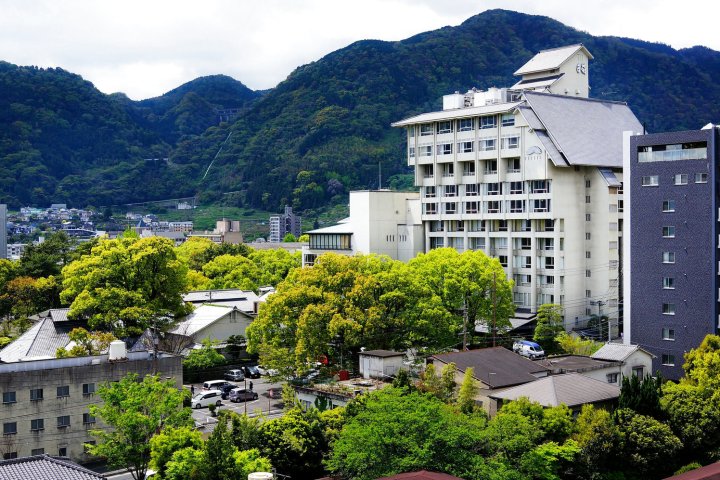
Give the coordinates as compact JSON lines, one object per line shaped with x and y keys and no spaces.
{"x":528,"y":349}
{"x":203,"y":399}
{"x":213,"y":384}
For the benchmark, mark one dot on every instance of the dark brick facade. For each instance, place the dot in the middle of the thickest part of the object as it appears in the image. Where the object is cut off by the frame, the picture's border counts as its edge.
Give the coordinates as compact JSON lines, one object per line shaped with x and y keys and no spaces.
{"x":695,"y":246}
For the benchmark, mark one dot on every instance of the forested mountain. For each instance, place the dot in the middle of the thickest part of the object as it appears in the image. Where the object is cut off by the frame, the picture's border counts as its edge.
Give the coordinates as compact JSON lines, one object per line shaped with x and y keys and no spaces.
{"x":322,"y":131}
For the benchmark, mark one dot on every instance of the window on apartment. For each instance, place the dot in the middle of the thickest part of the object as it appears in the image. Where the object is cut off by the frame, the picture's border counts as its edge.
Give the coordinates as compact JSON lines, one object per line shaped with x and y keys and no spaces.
{"x":430,"y":208}
{"x":411,"y":132}
{"x":612,"y":377}
{"x":9,"y":397}
{"x":540,"y":186}
{"x":465,"y":124}
{"x":448,"y":170}
{"x":587,"y":198}
{"x":525,"y":243}
{"x":426,"y":151}
{"x":668,"y":231}
{"x":650,"y":181}
{"x":549,"y":263}
{"x":517,"y":206}
{"x":37,"y":451}
{"x":549,"y":280}
{"x":513,"y":165}
{"x":681,"y":179}
{"x":541,"y":205}
{"x":426,"y":129}
{"x":488,"y":122}
{"x":437,"y":242}
{"x":493,"y":207}
{"x":428,"y":171}
{"x":429,"y":192}
{"x":587,"y":236}
{"x":445,"y":149}
{"x":588,"y":273}
{"x":701,"y":178}
{"x":9,"y":455}
{"x":668,"y":257}
{"x":509,"y":142}
{"x":63,"y":421}
{"x":490,"y":167}
{"x":466,"y":147}
{"x":508,"y":119}
{"x":88,"y":419}
{"x":668,"y":309}
{"x":525,"y":225}
{"x":450,"y":191}
{"x":487,"y":145}
{"x":548,"y":225}
{"x":36,"y":394}
{"x":88,"y":388}
{"x":411,"y":152}
{"x":503,"y":259}
{"x":587,"y":254}
{"x":494,"y":188}
{"x":668,"y":206}
{"x":587,"y":183}
{"x":588,"y":217}
{"x":9,"y":428}
{"x":588,"y":293}
{"x":37,"y":424}
{"x":516,"y":188}
{"x":471,"y":207}
{"x":63,"y":391}
{"x":444,"y":127}
{"x":62,"y":452}
{"x":669,"y":283}
{"x":450,"y":207}
{"x":668,"y":360}
{"x":668,"y":333}
{"x":468,"y":168}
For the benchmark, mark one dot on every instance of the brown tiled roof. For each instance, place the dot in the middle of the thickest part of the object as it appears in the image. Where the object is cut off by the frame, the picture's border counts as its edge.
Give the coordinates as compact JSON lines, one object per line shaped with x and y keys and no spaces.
{"x":421,"y":475}
{"x":708,"y":472}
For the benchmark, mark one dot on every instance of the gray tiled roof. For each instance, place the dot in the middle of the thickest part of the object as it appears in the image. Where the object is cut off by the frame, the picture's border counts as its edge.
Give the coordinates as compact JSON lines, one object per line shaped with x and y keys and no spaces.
{"x":571,"y":389}
{"x":40,"y":341}
{"x":617,"y":351}
{"x":44,"y":467}
{"x":497,"y":366}
{"x":382,"y":353}
{"x":585,"y":131}
{"x":550,"y":59}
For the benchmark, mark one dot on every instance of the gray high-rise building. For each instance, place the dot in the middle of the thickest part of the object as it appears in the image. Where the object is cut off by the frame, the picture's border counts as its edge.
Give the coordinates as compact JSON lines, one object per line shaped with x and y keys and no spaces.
{"x":281,"y":225}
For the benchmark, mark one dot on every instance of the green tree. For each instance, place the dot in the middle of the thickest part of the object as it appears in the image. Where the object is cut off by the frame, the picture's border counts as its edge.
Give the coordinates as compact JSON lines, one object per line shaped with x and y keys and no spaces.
{"x":219,"y":449}
{"x":598,"y":438}
{"x":642,"y":396}
{"x":204,"y":357}
{"x":549,"y":326}
{"x":126,"y":285}
{"x":231,"y":271}
{"x":469,"y":390}
{"x":167,"y":442}
{"x":394,"y":431}
{"x":289,"y":237}
{"x":249,"y":461}
{"x":47,"y":258}
{"x":24,"y":296}
{"x":86,"y":343}
{"x":186,"y":464}
{"x":575,"y":345}
{"x":136,"y":411}
{"x":246,"y":431}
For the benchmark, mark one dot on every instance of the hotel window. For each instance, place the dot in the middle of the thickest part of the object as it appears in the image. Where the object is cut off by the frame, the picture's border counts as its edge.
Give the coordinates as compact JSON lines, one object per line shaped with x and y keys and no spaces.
{"x":429,"y":192}
{"x":488,"y":122}
{"x":549,"y":263}
{"x":450,"y":207}
{"x":668,"y":206}
{"x":508,"y":120}
{"x":668,"y":334}
{"x":668,"y":257}
{"x":471,"y":190}
{"x":465,"y":147}
{"x":668,"y":309}
{"x":588,"y":217}
{"x":587,"y":183}
{"x":471,"y":207}
{"x":509,"y":142}
{"x":516,"y":188}
{"x":490,"y":167}
{"x":468,"y":168}
{"x":487,"y":145}
{"x":650,"y":181}
{"x":428,"y":171}
{"x":587,"y":198}
{"x":465,"y":124}
{"x":502,"y":226}
{"x":450,"y":191}
{"x":668,"y":232}
{"x":493,"y":207}
{"x":426,"y":151}
{"x":587,"y":254}
{"x":411,"y":152}
{"x":503,"y":259}
{"x":37,"y":424}
{"x":517,"y":206}
{"x":430,"y":208}
{"x":513,"y":165}
{"x":63,"y":421}
{"x":540,"y":186}
{"x":411,"y":132}
{"x":701,"y":178}
{"x":448,"y":170}
{"x":524,"y":243}
{"x":494,"y":188}
{"x":542,"y":205}
{"x":588,"y":273}
{"x":444,"y":127}
{"x":587,"y":235}
{"x":681,"y":179}
{"x":588,"y":293}
{"x":668,"y":360}
{"x":445,"y":149}
{"x":669,"y":283}
{"x":426,"y":129}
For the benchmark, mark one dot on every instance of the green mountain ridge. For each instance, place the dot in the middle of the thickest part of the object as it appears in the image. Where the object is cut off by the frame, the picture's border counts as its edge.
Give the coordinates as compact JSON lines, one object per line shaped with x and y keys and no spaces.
{"x":323,"y":131}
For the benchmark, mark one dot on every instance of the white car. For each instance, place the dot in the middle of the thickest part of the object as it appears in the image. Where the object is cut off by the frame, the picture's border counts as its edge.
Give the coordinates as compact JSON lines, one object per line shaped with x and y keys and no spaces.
{"x":205,"y":398}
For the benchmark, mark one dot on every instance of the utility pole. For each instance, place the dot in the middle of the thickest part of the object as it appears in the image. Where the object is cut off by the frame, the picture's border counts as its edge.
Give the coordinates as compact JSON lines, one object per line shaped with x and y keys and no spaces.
{"x":494,"y":319}
{"x":465,"y":321}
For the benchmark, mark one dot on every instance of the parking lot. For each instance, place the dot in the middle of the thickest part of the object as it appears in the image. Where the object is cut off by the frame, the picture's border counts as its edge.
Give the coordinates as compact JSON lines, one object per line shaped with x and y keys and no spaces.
{"x":264,"y":404}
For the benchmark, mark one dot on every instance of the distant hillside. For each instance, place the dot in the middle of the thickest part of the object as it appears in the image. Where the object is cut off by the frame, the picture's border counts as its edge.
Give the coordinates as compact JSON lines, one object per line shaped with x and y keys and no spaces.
{"x":323,"y":131}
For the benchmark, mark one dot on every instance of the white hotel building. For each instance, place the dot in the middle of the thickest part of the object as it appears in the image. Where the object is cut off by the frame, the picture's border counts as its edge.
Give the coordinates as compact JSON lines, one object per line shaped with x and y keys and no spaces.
{"x":531,"y":175}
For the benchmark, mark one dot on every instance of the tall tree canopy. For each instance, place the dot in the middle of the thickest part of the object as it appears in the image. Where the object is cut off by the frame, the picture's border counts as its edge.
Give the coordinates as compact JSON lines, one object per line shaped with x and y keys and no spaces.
{"x":126,"y":284}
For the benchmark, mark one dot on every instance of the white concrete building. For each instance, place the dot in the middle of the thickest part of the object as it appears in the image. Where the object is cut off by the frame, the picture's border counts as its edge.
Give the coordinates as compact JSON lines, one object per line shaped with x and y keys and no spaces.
{"x":530,"y":175}
{"x":381,"y":221}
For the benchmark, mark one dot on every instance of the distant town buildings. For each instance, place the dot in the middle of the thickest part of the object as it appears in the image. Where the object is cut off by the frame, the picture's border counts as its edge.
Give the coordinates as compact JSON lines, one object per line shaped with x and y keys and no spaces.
{"x":281,"y":225}
{"x":671,"y":251}
{"x":3,"y":232}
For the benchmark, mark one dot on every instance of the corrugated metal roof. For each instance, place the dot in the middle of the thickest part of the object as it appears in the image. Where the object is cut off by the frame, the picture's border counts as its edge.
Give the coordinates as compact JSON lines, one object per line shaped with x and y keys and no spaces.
{"x":550,"y":59}
{"x":496,"y":366}
{"x":585,"y":131}
{"x":382,"y":353}
{"x":59,"y":314}
{"x":41,"y":341}
{"x":203,"y":316}
{"x":457,"y":113}
{"x":571,"y":389}
{"x":542,"y":82}
{"x":45,"y":467}
{"x":617,"y":351}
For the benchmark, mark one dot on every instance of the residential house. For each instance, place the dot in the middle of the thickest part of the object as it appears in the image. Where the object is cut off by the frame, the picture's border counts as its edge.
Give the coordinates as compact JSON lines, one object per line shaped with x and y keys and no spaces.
{"x":380,"y":363}
{"x":634,"y":359}
{"x":213,"y":322}
{"x":45,"y":467}
{"x":609,"y":371}
{"x":336,"y":394}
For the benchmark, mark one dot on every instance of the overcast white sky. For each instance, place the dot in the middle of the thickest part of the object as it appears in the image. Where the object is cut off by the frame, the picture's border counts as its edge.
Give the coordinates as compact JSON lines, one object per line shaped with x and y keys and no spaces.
{"x":147,"y":47}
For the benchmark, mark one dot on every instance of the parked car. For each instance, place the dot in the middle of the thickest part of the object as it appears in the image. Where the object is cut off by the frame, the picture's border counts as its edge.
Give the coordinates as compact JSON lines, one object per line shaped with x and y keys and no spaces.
{"x":528,"y":349}
{"x":214,"y":384}
{"x":251,"y":371}
{"x":226,"y":389}
{"x":305,"y":379}
{"x":205,"y":398}
{"x":242,"y":395}
{"x":235,"y":375}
